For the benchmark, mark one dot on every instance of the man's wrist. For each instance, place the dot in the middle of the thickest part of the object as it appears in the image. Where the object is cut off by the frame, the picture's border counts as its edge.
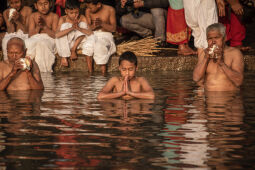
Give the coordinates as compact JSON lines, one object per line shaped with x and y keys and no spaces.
{"x":221,"y":63}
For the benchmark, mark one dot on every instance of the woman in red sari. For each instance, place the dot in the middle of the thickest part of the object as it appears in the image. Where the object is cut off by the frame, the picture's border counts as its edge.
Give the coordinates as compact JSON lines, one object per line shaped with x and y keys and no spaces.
{"x":178,"y":32}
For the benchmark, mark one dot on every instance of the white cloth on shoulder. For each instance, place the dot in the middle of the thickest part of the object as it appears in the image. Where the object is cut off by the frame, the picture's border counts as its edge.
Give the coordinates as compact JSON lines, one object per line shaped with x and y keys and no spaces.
{"x":100,"y":45}
{"x":41,"y":48}
{"x":199,"y":14}
{"x":65,"y":43}
{"x":9,"y":36}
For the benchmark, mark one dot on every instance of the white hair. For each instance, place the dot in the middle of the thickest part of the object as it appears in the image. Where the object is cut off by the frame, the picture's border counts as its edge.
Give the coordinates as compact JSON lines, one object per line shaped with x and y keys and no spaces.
{"x":216,"y":27}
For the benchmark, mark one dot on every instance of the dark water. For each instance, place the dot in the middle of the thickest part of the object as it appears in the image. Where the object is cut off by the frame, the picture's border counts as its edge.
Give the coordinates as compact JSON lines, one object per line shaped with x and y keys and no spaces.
{"x":65,"y":127}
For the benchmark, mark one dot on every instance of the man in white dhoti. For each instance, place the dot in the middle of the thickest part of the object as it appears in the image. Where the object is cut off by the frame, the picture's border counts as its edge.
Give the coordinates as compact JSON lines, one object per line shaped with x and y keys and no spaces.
{"x":71,"y":31}
{"x":199,"y":14}
{"x":16,"y":19}
{"x":102,"y":20}
{"x":42,"y":27}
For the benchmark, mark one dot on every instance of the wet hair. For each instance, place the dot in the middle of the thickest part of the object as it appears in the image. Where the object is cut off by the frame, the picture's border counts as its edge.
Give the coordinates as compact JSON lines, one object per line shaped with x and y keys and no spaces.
{"x":72,"y":4}
{"x":93,"y":1}
{"x":129,"y":56}
{"x":17,"y":41}
{"x":216,"y":27}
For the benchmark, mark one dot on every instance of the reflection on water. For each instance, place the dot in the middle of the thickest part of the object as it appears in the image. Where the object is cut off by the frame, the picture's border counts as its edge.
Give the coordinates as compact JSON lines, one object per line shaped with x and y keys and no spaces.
{"x":65,"y":127}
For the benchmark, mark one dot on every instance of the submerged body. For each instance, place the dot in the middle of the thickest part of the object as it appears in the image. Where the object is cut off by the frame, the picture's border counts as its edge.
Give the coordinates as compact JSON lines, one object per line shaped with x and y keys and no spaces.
{"x":224,"y":70}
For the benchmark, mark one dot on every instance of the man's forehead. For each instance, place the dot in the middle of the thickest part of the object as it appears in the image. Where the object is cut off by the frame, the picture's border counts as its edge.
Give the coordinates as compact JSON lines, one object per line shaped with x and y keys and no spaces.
{"x":214,"y":33}
{"x":15,"y":43}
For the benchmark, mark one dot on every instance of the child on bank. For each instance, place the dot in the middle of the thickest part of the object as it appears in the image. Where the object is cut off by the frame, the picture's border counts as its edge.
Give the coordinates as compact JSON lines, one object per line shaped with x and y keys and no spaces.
{"x":2,"y":29}
{"x":71,"y":31}
{"x":16,"y":19}
{"x":42,"y":28}
{"x":127,"y":86}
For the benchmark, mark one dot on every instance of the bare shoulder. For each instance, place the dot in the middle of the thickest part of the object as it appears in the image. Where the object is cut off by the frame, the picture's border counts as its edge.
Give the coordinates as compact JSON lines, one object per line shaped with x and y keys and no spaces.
{"x":27,"y":10}
{"x":141,"y":79}
{"x":83,"y":18}
{"x":53,"y":15}
{"x":34,"y":14}
{"x":62,"y":19}
{"x":114,"y":80}
{"x":109,"y":8}
{"x":233,"y":52}
{"x":6,"y":11}
{"x":3,"y":65}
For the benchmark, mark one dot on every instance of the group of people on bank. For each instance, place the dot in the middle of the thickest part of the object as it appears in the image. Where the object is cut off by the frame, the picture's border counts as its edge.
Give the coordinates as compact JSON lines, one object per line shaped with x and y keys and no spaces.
{"x":45,"y":34}
{"x":36,"y":35}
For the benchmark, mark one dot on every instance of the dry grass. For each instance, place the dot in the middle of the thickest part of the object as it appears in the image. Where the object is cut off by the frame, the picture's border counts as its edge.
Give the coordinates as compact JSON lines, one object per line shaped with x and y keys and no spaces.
{"x":143,"y":47}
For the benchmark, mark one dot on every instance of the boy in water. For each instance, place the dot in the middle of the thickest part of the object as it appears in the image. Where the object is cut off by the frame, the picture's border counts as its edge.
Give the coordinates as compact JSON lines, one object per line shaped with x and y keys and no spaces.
{"x":71,"y":30}
{"x":128,"y":85}
{"x":16,"y":19}
{"x":42,"y":28}
{"x":100,"y":45}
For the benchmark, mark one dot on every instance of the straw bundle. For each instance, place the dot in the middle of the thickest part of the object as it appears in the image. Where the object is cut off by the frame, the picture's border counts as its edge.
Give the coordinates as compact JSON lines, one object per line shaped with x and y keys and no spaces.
{"x":143,"y":47}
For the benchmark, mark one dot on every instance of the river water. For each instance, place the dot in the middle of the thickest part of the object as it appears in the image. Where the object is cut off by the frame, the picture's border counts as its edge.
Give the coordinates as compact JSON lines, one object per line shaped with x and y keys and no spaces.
{"x":66,"y":127}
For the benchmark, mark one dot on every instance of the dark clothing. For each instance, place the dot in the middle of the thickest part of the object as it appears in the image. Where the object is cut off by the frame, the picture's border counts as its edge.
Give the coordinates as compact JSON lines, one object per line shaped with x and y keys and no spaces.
{"x":156,"y":4}
{"x":3,"y":5}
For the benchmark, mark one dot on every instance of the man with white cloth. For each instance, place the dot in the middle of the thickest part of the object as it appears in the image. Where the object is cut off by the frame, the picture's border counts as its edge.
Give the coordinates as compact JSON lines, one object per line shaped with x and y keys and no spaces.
{"x":42,"y":27}
{"x":199,"y":14}
{"x":102,"y":20}
{"x":16,"y":19}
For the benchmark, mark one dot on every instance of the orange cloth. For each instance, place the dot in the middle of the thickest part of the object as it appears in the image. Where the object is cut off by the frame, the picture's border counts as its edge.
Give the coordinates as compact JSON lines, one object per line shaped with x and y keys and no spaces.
{"x":177,"y":31}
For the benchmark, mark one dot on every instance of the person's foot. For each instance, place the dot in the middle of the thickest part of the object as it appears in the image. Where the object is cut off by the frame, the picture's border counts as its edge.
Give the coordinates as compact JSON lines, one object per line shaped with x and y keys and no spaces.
{"x":185,"y":50}
{"x":190,"y":49}
{"x":73,"y":56}
{"x":64,"y":62}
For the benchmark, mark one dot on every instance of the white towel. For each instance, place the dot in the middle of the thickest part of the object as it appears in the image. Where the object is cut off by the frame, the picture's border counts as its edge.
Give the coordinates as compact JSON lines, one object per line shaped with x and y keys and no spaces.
{"x":100,"y":45}
{"x":65,"y":43}
{"x":41,"y":48}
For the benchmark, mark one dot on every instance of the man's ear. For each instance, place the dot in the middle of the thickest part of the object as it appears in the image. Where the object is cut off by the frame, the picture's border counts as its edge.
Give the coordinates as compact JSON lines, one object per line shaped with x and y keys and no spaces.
{"x":225,"y":38}
{"x":35,"y":5}
{"x":136,"y":68}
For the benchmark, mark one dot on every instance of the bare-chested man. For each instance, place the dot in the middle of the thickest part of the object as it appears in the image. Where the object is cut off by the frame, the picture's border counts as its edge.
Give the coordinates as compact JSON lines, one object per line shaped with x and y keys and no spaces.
{"x":127,"y":86}
{"x":42,"y":28}
{"x":221,"y":70}
{"x":102,"y":20}
{"x":13,"y":76}
{"x":16,"y":19}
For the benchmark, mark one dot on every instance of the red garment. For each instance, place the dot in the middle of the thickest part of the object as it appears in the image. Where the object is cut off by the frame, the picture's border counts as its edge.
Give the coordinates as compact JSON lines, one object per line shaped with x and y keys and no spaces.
{"x":61,"y":3}
{"x":58,"y":10}
{"x":235,"y":30}
{"x":177,"y":31}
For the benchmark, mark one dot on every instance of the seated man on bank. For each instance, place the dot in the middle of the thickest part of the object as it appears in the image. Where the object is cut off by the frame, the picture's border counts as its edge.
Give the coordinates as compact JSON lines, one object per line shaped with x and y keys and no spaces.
{"x":127,"y":86}
{"x":219,"y":67}
{"x":18,"y":72}
{"x":145,"y":17}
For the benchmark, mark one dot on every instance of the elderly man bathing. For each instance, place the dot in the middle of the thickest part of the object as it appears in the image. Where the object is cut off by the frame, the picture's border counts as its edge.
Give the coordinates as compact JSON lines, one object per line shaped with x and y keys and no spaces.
{"x":221,"y":70}
{"x":13,"y":76}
